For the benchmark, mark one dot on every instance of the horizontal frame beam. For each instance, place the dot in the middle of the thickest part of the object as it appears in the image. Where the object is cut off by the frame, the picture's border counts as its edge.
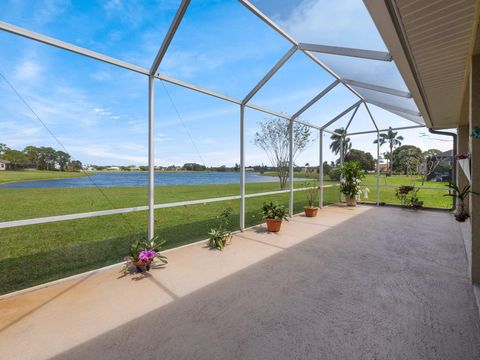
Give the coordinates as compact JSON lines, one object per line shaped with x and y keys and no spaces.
{"x":169,"y":37}
{"x":346,"y":111}
{"x":383,"y":130}
{"x":269,"y":75}
{"x":378,"y":88}
{"x":350,"y":52}
{"x":196,"y":88}
{"x":17,"y":30}
{"x":411,"y":118}
{"x":393,"y":107}
{"x":59,"y":218}
{"x":315,"y":99}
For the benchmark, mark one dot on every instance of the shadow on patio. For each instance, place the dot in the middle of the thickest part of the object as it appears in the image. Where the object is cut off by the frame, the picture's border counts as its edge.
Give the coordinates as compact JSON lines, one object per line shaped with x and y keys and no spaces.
{"x":350,"y":284}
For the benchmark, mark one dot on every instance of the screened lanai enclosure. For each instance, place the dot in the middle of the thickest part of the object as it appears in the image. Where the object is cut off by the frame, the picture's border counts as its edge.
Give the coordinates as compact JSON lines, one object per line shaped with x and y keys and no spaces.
{"x":351,"y":85}
{"x":102,"y":101}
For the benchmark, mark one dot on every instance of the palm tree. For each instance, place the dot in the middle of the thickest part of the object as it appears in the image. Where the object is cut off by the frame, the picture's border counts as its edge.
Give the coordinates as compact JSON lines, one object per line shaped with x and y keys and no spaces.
{"x":335,"y":144}
{"x":393,"y":141}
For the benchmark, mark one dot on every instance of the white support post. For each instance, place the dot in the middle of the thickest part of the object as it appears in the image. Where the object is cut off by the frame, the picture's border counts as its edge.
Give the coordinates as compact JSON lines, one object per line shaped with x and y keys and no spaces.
{"x":151,"y":159}
{"x":290,"y":172}
{"x":242,"y":167}
{"x":378,"y":168}
{"x":320,"y":170}
{"x":341,"y":161}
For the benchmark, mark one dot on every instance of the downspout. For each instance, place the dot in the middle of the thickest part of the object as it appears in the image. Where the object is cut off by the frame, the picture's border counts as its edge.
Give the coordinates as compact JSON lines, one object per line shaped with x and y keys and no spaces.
{"x":454,"y":155}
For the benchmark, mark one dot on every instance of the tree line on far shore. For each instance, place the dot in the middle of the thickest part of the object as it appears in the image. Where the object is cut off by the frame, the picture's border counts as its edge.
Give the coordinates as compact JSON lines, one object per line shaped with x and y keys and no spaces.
{"x":40,"y":158}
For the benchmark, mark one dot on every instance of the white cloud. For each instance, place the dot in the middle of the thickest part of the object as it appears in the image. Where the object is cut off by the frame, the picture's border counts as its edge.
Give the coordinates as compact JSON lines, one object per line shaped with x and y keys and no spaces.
{"x":49,"y":10}
{"x":101,"y":75}
{"x":207,"y":141}
{"x":28,"y":69}
{"x":341,"y":23}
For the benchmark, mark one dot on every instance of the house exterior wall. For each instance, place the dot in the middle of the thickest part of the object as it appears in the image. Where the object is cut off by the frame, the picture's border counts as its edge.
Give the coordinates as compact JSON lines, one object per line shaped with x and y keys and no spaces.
{"x":474,"y":146}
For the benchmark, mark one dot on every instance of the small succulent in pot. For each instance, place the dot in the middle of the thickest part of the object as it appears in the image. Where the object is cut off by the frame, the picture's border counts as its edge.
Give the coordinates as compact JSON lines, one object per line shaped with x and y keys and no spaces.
{"x":274,"y":214}
{"x":144,"y":252}
{"x":219,"y":236}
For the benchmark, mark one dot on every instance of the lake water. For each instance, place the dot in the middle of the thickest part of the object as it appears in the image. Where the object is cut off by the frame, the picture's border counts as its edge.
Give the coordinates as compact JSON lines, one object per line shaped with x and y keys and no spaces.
{"x":110,"y":179}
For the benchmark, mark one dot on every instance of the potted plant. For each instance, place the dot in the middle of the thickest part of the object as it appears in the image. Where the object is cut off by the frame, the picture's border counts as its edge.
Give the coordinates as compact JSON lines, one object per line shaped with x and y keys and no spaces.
{"x":220,"y":235}
{"x":407,"y":195}
{"x":352,"y":175}
{"x":144,"y":252}
{"x":274,"y":214}
{"x":460,"y":214}
{"x":312,"y":196}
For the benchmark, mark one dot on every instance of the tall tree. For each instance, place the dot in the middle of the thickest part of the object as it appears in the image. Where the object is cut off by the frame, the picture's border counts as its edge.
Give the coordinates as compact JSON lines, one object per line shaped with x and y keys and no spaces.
{"x":336,"y":140}
{"x":75,"y":165}
{"x":17,"y":158}
{"x":3,"y":148}
{"x":273,"y":138}
{"x":62,"y":159}
{"x":407,"y":158}
{"x":393,"y":140}
{"x":365,"y":159}
{"x":33,"y":155}
{"x":47,"y":157}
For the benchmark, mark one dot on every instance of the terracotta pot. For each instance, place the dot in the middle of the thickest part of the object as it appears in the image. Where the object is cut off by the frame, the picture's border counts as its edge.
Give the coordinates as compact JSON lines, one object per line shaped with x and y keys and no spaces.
{"x":351,"y":201}
{"x":142,"y":266}
{"x":310,"y":211}
{"x":273,"y":225}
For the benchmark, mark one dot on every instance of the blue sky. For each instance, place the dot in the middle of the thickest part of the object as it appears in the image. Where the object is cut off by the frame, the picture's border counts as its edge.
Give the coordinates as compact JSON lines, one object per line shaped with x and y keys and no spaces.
{"x":99,"y":112}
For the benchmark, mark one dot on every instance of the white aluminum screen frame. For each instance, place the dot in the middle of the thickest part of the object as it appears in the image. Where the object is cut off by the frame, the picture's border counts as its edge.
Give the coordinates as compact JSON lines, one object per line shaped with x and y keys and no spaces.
{"x":245,"y":102}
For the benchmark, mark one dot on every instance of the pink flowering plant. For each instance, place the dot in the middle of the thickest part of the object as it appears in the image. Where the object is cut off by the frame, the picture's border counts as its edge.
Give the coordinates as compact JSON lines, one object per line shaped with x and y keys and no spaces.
{"x":144,"y":252}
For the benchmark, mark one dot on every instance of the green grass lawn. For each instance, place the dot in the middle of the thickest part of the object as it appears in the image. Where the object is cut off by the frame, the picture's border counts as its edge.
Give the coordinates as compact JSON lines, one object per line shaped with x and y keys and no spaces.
{"x":428,"y":194}
{"x":35,"y":254}
{"x":26,"y":175}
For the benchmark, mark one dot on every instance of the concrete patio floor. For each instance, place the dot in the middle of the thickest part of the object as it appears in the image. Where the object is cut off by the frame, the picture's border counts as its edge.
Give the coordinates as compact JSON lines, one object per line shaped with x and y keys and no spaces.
{"x":364,"y":283}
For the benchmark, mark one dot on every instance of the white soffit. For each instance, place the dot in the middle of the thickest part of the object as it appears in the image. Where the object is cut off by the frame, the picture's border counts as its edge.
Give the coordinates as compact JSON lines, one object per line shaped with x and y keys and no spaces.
{"x":431,"y":42}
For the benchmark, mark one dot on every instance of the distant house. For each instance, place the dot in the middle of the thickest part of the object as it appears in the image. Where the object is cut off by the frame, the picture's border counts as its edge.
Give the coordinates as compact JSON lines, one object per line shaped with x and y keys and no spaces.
{"x":113,"y":168}
{"x":249,"y":169}
{"x":5,"y":165}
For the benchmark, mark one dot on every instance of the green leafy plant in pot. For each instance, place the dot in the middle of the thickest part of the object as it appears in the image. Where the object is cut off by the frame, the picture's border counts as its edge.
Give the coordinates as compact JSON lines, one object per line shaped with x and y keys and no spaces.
{"x":408,"y":197}
{"x":352,"y":175}
{"x":219,"y":236}
{"x":312,"y":197}
{"x":144,"y":252}
{"x":461,"y":213}
{"x":274,"y":213}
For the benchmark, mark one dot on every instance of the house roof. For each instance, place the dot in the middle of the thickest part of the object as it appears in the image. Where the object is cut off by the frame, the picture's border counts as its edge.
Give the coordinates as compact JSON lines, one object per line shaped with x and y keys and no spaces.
{"x":5,"y":161}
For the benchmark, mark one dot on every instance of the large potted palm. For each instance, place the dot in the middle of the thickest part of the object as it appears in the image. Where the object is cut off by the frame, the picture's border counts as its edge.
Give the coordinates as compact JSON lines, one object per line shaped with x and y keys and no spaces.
{"x":352,"y":175}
